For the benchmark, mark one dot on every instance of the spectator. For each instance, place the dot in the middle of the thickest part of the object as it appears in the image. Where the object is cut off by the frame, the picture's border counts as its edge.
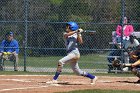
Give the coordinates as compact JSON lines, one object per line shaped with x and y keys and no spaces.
{"x":116,"y":38}
{"x":114,"y":54}
{"x":132,"y":43}
{"x":127,"y":31}
{"x":9,"y":47}
{"x":129,"y":47}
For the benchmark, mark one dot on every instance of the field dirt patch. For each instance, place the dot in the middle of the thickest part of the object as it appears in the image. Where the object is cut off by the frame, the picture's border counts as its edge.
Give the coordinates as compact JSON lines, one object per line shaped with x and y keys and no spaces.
{"x":36,"y":83}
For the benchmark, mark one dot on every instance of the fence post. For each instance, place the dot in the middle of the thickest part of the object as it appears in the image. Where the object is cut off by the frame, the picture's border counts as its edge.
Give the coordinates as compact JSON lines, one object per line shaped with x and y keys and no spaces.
{"x":122,"y":24}
{"x":26,"y":31}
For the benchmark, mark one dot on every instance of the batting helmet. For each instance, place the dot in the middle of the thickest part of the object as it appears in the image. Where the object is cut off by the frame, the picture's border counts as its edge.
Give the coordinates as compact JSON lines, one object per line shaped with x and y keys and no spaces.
{"x":73,"y":26}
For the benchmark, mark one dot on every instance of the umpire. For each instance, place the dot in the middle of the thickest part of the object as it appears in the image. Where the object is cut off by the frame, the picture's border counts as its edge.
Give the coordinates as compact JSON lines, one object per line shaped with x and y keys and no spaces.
{"x":10,"y":46}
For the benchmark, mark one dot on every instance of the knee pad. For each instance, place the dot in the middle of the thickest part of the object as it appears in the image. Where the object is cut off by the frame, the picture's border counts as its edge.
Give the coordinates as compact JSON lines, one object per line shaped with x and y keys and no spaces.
{"x":59,"y":67}
{"x":84,"y":73}
{"x":137,"y":72}
{"x":76,"y":58}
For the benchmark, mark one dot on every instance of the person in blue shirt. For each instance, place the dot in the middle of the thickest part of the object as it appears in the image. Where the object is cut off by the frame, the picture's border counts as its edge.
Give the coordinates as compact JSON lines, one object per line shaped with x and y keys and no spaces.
{"x":9,"y":47}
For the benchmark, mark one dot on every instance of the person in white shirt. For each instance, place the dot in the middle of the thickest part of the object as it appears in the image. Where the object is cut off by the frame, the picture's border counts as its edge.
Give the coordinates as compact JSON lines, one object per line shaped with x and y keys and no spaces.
{"x":129,"y":47}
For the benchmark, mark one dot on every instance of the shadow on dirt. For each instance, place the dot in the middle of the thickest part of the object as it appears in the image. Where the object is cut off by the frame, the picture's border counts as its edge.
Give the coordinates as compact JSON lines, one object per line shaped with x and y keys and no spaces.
{"x":128,"y":82}
{"x":63,"y":83}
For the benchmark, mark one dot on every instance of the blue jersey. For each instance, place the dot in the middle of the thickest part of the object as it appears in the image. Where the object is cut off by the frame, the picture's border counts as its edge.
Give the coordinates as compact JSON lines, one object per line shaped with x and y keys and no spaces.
{"x":71,"y":43}
{"x":9,"y":46}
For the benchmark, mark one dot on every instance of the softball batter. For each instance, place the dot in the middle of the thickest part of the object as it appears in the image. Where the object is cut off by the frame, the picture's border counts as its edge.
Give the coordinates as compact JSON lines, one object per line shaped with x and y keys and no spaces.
{"x":72,"y":37}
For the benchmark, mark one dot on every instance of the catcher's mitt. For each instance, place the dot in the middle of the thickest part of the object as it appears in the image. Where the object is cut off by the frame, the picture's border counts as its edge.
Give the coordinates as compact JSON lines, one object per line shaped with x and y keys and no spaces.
{"x":116,"y":63}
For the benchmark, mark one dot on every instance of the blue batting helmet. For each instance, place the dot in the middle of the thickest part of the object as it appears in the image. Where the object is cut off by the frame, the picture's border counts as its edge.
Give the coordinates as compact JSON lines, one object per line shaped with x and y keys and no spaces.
{"x":73,"y":26}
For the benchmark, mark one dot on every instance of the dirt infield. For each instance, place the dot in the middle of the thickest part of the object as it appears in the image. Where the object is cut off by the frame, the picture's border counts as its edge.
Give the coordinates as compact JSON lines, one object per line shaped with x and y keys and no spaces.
{"x":36,"y":83}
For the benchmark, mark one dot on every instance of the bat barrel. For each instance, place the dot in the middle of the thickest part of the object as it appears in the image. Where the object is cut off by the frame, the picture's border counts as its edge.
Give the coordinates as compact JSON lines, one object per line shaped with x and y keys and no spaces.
{"x":89,"y":31}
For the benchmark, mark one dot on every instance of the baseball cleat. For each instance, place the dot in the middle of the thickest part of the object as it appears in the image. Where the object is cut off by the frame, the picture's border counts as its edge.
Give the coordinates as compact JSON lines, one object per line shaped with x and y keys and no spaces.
{"x":93,"y":81}
{"x":52,"y":82}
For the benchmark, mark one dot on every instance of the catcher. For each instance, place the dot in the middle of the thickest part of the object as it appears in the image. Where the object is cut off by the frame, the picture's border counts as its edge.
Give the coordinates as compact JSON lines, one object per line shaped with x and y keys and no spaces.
{"x":135,"y":66}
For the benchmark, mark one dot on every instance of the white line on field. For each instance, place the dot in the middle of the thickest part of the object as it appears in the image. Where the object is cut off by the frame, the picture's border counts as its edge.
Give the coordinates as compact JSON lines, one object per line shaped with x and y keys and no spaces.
{"x":20,"y":80}
{"x":31,"y":75}
{"x":25,"y":75}
{"x":23,"y":88}
{"x":103,"y":81}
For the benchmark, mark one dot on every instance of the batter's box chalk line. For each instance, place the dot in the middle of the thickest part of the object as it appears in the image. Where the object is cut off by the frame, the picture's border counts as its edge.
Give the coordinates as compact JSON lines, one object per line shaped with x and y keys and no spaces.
{"x":17,"y":80}
{"x":106,"y":81}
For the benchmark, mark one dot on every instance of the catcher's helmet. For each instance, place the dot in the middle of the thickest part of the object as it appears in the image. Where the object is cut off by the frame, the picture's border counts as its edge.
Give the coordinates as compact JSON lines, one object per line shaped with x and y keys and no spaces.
{"x":73,"y":26}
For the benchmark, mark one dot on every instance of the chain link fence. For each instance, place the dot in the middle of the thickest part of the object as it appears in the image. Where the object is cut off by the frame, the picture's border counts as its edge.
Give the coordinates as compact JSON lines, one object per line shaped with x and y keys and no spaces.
{"x":38,"y":25}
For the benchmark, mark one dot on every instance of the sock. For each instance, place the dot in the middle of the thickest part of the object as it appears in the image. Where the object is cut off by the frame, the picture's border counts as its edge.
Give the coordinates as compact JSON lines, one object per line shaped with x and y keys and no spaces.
{"x":90,"y":76}
{"x":56,"y":75}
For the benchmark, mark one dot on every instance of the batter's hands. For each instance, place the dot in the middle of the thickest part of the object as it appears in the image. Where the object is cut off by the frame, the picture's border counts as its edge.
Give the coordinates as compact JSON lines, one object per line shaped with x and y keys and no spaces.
{"x":79,"y":31}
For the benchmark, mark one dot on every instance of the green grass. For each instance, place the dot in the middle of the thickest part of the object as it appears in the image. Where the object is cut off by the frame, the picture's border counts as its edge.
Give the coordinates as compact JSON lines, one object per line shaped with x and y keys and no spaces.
{"x":64,"y":73}
{"x":23,"y":73}
{"x":100,"y":91}
{"x":86,"y":61}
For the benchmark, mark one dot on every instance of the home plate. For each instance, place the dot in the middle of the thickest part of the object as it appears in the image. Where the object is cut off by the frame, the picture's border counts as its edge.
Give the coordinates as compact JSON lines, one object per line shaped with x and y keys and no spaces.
{"x":59,"y":82}
{"x":105,"y":81}
{"x":55,"y":85}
